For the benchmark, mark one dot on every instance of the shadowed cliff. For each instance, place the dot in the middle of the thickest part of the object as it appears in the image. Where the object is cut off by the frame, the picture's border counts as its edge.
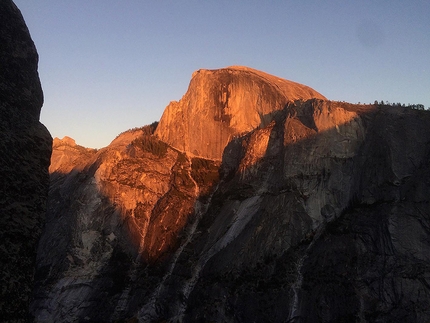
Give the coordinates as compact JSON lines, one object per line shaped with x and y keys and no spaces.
{"x":319,"y":214}
{"x":327,"y":224}
{"x":25,"y":149}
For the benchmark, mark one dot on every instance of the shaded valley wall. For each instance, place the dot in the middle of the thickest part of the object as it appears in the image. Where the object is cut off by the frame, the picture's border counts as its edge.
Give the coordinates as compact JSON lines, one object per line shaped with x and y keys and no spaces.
{"x":329,"y":224}
{"x":25,"y":149}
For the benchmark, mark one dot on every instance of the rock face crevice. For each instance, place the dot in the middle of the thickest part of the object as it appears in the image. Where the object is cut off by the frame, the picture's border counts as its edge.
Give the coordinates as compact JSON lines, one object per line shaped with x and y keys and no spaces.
{"x":25,"y":149}
{"x":318,"y":212}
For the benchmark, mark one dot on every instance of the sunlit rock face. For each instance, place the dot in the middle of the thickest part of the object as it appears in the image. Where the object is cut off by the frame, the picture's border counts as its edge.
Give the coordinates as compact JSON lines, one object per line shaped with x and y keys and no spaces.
{"x":25,"y":148}
{"x":115,"y":212}
{"x":224,"y":103}
{"x":317,"y":214}
{"x":67,"y":155}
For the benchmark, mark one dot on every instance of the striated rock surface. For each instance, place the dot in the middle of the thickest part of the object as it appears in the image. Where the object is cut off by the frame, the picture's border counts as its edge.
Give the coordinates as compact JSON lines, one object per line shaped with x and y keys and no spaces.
{"x":116,"y":212}
{"x":318,"y":214}
{"x":224,"y":103}
{"x":25,"y":149}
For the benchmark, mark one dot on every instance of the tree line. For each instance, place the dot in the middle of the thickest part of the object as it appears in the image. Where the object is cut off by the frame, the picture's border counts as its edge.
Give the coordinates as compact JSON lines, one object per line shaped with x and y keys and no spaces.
{"x":411,"y":106}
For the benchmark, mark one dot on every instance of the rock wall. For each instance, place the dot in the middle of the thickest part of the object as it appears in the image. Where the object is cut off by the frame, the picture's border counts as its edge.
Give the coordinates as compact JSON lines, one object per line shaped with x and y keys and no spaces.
{"x":224,"y":103}
{"x":116,"y":212}
{"x":330,"y":224}
{"x":317,"y":214}
{"x":25,"y":149}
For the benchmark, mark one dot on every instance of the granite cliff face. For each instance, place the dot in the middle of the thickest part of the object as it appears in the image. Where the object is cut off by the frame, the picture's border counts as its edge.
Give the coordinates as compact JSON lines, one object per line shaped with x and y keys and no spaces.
{"x":322,"y":216}
{"x":119,"y":210}
{"x":222,"y":104}
{"x":67,"y":155}
{"x":318,"y":212}
{"x":25,"y":149}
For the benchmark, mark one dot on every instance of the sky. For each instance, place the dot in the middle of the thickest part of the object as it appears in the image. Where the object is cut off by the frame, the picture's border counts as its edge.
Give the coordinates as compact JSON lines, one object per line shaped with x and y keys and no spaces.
{"x":108,"y":65}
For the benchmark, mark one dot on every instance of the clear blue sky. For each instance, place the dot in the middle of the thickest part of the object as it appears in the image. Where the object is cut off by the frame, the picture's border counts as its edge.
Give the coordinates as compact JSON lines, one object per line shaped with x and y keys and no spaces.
{"x":109,"y":65}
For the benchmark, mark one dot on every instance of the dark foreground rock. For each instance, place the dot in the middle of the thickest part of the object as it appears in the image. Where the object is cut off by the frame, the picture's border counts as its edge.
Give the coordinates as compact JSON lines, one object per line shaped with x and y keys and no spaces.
{"x":25,"y":150}
{"x":318,"y":214}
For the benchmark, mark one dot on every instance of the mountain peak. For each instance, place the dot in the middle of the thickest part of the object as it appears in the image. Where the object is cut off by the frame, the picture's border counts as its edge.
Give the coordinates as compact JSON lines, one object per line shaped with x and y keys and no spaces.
{"x":66,"y":141}
{"x":66,"y":155}
{"x":223,"y":103}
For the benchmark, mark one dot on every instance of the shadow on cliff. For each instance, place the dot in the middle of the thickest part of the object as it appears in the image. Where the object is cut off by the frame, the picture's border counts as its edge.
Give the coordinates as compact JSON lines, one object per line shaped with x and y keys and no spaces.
{"x":112,"y":253}
{"x":344,"y":263}
{"x":226,"y":252}
{"x":297,"y":157}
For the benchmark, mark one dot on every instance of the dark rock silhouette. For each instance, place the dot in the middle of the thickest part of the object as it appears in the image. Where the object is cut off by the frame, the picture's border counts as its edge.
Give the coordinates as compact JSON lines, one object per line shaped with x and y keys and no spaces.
{"x":25,"y":149}
{"x":317,"y":213}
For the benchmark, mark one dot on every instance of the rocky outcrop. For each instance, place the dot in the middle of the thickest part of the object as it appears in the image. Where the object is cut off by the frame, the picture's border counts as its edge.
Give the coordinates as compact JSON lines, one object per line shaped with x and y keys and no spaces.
{"x":25,"y":149}
{"x":67,"y":155}
{"x":317,"y":214}
{"x":117,"y":211}
{"x":222,"y":104}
